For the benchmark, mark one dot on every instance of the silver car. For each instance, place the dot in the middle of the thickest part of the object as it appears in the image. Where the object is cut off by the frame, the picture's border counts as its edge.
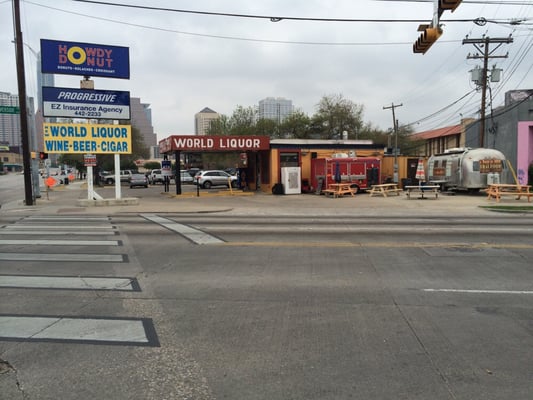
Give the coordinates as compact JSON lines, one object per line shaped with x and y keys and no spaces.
{"x":207,"y":179}
{"x":138,"y":180}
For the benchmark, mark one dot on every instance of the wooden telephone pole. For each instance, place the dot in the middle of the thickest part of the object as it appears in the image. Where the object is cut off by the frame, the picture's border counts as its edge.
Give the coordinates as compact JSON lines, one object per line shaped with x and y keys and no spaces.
{"x":395,"y":129}
{"x":482,"y":46}
{"x":26,"y":156}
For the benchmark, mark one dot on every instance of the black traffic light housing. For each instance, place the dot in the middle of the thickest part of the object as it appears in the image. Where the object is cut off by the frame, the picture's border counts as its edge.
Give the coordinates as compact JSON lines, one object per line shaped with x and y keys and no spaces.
{"x":428,"y":36}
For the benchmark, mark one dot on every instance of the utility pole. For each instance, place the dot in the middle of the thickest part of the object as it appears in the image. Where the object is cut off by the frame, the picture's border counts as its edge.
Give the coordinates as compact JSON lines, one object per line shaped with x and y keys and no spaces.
{"x":395,"y":129}
{"x":26,"y":156}
{"x":482,"y":46}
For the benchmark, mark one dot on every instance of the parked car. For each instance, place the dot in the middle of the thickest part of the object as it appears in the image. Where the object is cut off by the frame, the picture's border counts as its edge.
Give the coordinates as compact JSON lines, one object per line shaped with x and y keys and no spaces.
{"x":193,"y":171}
{"x":207,"y":179}
{"x":186,"y":177}
{"x":138,"y":180}
{"x":156,"y":176}
{"x":125,"y":176}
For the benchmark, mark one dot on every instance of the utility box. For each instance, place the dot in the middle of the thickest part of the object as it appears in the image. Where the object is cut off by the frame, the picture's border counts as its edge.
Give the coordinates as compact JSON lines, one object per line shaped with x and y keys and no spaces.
{"x":291,"y":179}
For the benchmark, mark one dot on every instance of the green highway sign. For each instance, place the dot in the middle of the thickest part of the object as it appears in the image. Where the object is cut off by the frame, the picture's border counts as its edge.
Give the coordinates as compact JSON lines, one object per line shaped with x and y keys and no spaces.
{"x":9,"y":110}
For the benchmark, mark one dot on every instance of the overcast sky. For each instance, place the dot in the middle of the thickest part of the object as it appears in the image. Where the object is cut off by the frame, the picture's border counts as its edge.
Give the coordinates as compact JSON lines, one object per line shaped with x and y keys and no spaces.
{"x":181,"y":62}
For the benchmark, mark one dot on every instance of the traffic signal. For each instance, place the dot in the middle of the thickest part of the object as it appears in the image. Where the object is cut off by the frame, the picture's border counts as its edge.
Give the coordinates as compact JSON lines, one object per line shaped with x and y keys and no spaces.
{"x":426,"y":39}
{"x":449,"y":4}
{"x":43,"y":155}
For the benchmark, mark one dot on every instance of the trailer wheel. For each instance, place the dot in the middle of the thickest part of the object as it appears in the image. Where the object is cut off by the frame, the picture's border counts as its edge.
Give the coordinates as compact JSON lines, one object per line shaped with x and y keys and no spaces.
{"x":355,"y":188}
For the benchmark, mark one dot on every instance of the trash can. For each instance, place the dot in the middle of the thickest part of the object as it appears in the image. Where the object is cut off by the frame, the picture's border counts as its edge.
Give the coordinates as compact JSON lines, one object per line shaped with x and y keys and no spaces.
{"x":278,"y":189}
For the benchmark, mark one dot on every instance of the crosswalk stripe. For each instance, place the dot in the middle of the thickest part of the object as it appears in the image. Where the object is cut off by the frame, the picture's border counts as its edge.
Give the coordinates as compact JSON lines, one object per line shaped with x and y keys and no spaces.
{"x":64,"y":218}
{"x":94,"y":330}
{"x":46,"y":242}
{"x":194,"y":235}
{"x":62,"y":257}
{"x":11,"y":232}
{"x":68,"y":282}
{"x":50,"y":227}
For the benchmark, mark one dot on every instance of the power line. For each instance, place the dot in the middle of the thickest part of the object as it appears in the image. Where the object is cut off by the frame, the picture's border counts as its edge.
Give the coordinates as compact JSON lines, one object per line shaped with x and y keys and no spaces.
{"x":277,"y":18}
{"x":226,"y":37}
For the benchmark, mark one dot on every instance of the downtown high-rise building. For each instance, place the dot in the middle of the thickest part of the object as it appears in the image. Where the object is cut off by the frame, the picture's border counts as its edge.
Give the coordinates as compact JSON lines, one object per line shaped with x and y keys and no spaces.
{"x":10,"y":128}
{"x":203,"y":120}
{"x":275,"y":108}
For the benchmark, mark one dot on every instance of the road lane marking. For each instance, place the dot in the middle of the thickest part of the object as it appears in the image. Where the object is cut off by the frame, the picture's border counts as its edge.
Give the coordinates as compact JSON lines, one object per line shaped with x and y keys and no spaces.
{"x":480,"y":291}
{"x":194,"y":235}
{"x":63,"y":257}
{"x":47,"y":242}
{"x":90,"y":330}
{"x":69,"y":282}
{"x":382,"y":245}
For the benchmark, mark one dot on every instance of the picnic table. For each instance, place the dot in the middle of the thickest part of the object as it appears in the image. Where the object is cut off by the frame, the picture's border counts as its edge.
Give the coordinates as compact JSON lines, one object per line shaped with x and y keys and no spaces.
{"x":422,"y":189}
{"x":385,"y":189}
{"x":339,"y":189}
{"x":496,"y":191}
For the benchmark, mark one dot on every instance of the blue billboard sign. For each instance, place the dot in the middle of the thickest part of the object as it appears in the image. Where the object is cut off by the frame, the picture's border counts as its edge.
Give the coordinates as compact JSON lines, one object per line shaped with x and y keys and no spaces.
{"x":81,"y":103}
{"x":74,"y":58}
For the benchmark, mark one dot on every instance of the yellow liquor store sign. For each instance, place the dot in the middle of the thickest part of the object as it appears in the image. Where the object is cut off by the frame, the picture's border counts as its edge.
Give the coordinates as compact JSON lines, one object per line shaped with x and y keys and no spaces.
{"x":87,"y":138}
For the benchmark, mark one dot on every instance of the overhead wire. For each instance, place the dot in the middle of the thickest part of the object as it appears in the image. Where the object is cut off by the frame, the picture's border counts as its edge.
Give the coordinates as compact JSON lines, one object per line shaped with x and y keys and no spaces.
{"x":514,"y":23}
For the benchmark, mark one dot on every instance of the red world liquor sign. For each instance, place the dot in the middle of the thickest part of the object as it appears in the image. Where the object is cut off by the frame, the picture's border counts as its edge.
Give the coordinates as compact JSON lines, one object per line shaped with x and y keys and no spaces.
{"x":214,"y":143}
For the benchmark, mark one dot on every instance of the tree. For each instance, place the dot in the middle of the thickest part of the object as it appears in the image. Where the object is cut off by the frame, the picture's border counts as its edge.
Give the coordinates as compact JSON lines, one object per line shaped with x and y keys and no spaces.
{"x":267,"y":127}
{"x":152,"y":165}
{"x":335,"y":114}
{"x":242,"y":122}
{"x":297,"y":126}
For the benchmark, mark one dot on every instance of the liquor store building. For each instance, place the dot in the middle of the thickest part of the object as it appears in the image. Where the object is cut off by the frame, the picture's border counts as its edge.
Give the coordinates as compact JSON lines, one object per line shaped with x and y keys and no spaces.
{"x":264,"y":160}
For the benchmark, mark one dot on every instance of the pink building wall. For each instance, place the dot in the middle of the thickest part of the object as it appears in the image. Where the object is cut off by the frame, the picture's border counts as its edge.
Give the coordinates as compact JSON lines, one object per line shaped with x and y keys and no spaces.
{"x":524,"y":151}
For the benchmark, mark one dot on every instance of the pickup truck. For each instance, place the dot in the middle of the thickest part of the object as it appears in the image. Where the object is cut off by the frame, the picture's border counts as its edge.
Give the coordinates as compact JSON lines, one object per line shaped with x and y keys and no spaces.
{"x":156,"y":176}
{"x":125,"y":176}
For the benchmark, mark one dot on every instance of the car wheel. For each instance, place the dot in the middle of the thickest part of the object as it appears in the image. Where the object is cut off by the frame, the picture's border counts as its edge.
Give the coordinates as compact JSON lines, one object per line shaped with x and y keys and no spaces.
{"x":207,"y":185}
{"x":109,"y":181}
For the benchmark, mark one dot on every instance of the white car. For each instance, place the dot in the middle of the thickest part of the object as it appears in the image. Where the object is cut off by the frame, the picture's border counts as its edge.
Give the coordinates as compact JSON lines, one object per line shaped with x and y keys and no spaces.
{"x":186,"y":177}
{"x":208,"y":179}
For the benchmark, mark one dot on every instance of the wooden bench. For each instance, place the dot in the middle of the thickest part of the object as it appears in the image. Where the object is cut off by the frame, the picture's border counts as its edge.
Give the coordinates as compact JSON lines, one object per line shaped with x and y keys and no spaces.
{"x":385,"y":189}
{"x":422,"y":189}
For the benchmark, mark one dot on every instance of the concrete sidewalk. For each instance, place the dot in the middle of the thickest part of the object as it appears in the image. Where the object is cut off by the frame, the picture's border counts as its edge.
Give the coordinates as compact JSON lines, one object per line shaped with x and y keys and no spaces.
{"x":73,"y":197}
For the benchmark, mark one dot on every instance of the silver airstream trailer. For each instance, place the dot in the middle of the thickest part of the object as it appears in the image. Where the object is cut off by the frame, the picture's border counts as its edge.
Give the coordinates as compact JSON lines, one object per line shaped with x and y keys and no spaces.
{"x":468,"y":169}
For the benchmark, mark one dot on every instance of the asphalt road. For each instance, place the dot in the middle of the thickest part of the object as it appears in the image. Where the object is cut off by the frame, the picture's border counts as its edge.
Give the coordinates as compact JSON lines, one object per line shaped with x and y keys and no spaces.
{"x":213,"y":306}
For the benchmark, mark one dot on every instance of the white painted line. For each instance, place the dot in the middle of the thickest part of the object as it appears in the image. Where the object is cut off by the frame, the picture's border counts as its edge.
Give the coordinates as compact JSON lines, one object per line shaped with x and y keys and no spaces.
{"x":65,"y":218}
{"x":57,"y":233}
{"x":78,"y":330}
{"x":48,"y":242}
{"x":66,"y":282}
{"x":47,"y":227}
{"x":192,"y":234}
{"x":62,"y":257}
{"x":479,"y":291}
